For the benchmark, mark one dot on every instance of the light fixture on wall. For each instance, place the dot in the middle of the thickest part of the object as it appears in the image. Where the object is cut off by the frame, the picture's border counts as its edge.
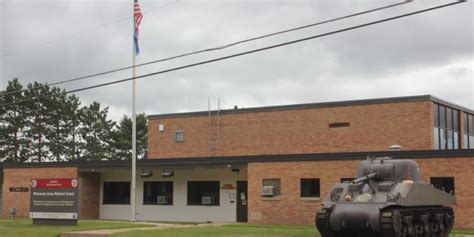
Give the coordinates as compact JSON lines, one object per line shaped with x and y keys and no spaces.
{"x":167,"y":173}
{"x":146,"y":174}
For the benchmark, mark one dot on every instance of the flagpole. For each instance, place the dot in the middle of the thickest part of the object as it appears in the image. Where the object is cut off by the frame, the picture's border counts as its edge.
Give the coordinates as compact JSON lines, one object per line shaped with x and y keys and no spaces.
{"x":134,"y":126}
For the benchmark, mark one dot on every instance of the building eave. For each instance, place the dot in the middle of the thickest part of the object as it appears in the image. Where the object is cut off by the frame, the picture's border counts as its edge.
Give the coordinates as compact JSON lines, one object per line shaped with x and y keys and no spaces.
{"x":242,"y":160}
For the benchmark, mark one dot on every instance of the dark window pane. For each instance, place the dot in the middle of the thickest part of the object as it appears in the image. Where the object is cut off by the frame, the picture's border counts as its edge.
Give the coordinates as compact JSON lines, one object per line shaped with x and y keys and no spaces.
{"x":203,"y":193}
{"x":465,"y":141}
{"x":471,"y":124}
{"x":310,"y":187}
{"x":466,"y":124}
{"x":449,"y":118}
{"x":443,"y":183}
{"x":456,"y":120}
{"x":436,"y":115}
{"x":442,"y":116}
{"x":116,"y":193}
{"x":160,"y":193}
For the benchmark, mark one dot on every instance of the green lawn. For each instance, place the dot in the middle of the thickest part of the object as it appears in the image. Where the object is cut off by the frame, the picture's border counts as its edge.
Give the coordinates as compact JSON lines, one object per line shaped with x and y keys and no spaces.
{"x":241,"y":231}
{"x":229,"y":231}
{"x":463,"y":231}
{"x":24,"y":227}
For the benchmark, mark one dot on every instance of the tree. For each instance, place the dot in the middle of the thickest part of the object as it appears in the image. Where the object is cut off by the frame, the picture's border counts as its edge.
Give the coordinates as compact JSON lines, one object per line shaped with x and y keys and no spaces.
{"x":12,"y":124}
{"x":123,"y":137}
{"x":72,"y":122}
{"x":39,"y":113}
{"x":52,"y":126}
{"x":96,"y":131}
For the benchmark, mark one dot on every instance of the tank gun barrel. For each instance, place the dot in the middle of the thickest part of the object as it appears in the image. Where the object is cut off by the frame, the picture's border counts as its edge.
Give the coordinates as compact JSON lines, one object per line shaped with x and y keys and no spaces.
{"x":365,"y":178}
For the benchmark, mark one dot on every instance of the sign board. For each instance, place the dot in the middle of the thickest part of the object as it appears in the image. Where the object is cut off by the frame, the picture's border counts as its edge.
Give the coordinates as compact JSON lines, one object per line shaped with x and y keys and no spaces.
{"x":19,"y":189}
{"x":228,"y":186}
{"x":54,"y":201}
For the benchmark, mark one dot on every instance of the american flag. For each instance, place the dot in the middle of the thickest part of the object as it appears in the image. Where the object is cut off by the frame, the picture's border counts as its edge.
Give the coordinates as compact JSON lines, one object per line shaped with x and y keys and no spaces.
{"x":137,"y":18}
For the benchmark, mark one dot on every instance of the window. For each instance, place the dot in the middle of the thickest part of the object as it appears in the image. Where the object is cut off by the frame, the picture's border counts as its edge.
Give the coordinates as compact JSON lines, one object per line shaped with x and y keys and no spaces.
{"x":445,"y":128}
{"x":347,"y":180}
{"x":468,"y":136}
{"x":203,"y":193}
{"x":159,"y":193}
{"x":179,"y":136}
{"x":310,"y":187}
{"x":443,"y":183}
{"x":275,"y":183}
{"x":116,"y":193}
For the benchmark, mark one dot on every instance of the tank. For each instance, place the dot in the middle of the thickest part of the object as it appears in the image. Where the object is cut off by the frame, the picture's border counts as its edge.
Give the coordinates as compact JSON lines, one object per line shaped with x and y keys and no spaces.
{"x":387,"y":199}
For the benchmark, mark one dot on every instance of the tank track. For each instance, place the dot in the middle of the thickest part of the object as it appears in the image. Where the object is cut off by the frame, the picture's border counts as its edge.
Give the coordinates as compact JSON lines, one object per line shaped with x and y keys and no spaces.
{"x":398,"y":222}
{"x":417,"y":221}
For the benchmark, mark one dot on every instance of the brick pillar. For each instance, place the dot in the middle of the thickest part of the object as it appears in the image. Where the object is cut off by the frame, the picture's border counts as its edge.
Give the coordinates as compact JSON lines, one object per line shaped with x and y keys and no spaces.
{"x":89,"y":202}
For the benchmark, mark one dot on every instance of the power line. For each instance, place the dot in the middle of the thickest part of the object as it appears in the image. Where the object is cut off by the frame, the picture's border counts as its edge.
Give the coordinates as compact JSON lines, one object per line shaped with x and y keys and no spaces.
{"x":213,"y":48}
{"x":80,"y":32}
{"x":246,"y":52}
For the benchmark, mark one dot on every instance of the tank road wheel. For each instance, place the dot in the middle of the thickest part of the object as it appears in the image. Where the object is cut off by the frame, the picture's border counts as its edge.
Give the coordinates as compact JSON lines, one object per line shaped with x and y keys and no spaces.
{"x":441,"y":221}
{"x":434,"y":227}
{"x":449,"y":221}
{"x":408,"y":223}
{"x":398,"y":227}
{"x":424,"y":218}
{"x":322,"y":223}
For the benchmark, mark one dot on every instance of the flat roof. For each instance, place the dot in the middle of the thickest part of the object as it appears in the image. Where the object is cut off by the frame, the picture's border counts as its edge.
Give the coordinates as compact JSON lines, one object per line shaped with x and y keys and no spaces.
{"x":316,"y":105}
{"x":229,"y":160}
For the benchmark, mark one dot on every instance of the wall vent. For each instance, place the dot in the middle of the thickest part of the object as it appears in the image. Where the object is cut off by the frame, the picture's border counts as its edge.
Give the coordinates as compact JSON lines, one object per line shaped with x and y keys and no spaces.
{"x":340,"y":125}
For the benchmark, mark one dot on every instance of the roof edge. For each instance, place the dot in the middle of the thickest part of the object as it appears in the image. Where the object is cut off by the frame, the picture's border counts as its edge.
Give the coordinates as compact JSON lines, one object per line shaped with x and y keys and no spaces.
{"x":419,"y":154}
{"x":386,"y":100}
{"x":453,"y":105}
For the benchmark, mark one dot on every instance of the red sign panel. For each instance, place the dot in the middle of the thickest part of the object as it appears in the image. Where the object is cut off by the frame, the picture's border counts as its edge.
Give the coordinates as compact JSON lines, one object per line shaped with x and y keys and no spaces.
{"x":54,"y":183}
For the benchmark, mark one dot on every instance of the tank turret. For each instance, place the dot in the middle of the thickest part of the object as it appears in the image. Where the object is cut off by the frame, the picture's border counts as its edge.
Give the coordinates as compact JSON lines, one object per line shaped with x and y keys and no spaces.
{"x":386,"y":199}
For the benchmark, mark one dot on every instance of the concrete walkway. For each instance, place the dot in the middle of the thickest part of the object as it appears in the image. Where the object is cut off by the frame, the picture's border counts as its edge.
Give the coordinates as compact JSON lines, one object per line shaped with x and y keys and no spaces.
{"x":108,"y":232}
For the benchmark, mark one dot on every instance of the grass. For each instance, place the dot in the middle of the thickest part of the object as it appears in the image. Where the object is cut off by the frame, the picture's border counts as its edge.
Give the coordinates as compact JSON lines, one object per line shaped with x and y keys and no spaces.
{"x":229,"y":231}
{"x":462,"y":231}
{"x":242,"y":231}
{"x":25,"y":228}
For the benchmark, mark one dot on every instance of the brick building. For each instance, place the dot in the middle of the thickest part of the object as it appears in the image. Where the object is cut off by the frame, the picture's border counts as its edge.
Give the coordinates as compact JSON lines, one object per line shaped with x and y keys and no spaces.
{"x":212,"y":165}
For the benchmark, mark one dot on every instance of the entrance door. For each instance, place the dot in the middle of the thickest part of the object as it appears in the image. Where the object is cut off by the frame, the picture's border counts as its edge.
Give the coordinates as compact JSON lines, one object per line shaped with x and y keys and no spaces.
{"x":242,"y":201}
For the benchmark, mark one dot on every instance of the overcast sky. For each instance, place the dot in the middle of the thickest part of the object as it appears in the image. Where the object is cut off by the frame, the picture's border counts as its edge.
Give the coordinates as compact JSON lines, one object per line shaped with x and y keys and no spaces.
{"x":430,"y":53}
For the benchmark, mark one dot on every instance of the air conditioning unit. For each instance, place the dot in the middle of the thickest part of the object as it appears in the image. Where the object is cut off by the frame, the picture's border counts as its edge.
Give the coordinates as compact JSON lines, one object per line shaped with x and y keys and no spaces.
{"x":268,"y":191}
{"x":207,"y":200}
{"x":162,"y":200}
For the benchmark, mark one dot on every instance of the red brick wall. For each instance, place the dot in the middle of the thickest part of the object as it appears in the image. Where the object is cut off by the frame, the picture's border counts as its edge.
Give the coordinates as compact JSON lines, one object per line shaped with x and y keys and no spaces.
{"x":372,"y":128}
{"x":90,"y":195}
{"x":290,"y":209}
{"x":21,"y":177}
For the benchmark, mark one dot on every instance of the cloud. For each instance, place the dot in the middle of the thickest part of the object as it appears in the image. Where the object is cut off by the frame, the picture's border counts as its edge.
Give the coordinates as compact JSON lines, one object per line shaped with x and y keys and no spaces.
{"x":429,"y":53}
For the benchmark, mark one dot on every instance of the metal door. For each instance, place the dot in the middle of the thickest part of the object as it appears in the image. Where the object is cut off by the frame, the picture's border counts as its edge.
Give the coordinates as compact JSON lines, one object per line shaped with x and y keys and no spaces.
{"x":242,"y":202}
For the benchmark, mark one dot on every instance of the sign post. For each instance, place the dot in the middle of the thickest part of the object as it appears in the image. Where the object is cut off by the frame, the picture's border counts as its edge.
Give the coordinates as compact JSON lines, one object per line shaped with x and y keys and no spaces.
{"x":54,"y":201}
